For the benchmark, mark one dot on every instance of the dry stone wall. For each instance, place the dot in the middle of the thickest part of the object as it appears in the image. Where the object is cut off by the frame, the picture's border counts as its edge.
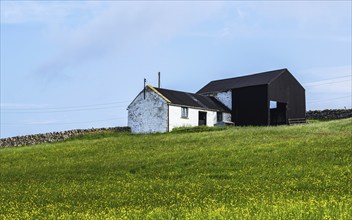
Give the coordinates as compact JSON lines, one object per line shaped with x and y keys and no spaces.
{"x":54,"y":136}
{"x":329,"y":114}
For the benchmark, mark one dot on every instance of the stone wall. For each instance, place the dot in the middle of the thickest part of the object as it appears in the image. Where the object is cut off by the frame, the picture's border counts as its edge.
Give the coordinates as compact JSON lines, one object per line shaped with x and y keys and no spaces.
{"x":329,"y":114}
{"x":54,"y":136}
{"x":149,"y":114}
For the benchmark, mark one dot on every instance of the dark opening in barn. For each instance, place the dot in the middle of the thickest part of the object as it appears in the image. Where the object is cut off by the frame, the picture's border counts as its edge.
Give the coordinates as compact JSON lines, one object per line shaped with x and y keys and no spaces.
{"x":278,"y":114}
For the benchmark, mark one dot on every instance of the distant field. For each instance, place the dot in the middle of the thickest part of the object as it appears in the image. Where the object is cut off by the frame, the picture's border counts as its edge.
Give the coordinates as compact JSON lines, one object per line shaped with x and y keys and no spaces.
{"x":284,"y":172}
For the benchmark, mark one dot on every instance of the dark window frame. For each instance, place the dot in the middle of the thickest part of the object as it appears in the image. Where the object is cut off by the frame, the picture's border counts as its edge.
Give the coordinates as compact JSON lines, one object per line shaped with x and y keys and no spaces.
{"x":184,"y":112}
{"x":219,"y":117}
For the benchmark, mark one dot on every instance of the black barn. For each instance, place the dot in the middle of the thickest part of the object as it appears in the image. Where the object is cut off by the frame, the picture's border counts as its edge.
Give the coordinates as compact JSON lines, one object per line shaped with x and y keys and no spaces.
{"x":268,"y":98}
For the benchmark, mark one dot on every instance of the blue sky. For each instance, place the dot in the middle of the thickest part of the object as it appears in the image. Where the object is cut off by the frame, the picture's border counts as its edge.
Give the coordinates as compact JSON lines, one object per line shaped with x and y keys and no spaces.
{"x":68,"y":65}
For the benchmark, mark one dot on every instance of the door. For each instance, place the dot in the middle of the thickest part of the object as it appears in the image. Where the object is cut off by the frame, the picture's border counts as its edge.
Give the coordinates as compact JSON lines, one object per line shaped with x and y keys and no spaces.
{"x":202,"y":116}
{"x":278,"y":114}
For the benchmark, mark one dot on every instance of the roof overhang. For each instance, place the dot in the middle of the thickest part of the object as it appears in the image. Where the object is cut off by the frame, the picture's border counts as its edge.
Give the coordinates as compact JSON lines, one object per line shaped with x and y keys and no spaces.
{"x":157,"y":92}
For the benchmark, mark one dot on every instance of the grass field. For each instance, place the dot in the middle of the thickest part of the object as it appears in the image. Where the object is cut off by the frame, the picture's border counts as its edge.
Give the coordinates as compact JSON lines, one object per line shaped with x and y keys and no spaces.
{"x":284,"y":172}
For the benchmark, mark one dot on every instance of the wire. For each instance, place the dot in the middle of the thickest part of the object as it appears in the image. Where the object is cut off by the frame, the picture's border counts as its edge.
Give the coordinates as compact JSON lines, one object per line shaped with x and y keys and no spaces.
{"x":329,"y":79}
{"x":326,"y":83}
{"x":111,"y":104}
{"x":68,"y":110}
{"x":68,"y":107}
{"x":315,"y":101}
{"x":63,"y":123}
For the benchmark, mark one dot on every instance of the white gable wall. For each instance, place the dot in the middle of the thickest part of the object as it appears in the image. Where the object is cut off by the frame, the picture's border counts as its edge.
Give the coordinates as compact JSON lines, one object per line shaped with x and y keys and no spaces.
{"x":175,"y":119}
{"x":225,"y":98}
{"x":148,"y":115}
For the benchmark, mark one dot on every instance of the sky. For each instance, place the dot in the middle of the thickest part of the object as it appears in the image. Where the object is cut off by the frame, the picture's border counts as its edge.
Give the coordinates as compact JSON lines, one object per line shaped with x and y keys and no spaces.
{"x":78,"y":64}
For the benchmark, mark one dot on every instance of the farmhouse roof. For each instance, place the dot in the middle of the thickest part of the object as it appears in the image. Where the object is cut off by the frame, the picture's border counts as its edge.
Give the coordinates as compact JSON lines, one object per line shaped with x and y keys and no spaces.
{"x":243,"y":81}
{"x":191,"y":100}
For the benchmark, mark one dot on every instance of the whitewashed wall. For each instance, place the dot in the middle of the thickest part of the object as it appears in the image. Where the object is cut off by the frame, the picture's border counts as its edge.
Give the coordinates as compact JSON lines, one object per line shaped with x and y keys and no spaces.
{"x":226,"y":116}
{"x":211,"y":118}
{"x":151,"y":114}
{"x":175,"y":119}
{"x":225,"y":98}
{"x":148,"y":115}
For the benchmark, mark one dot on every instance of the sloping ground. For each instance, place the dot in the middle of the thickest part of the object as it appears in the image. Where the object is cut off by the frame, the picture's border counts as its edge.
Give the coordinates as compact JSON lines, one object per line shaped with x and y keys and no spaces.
{"x":284,"y":172}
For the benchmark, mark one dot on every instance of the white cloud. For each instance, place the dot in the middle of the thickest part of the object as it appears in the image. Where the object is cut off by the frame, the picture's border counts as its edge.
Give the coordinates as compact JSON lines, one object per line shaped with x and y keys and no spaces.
{"x":18,"y":12}
{"x":43,"y":11}
{"x":305,"y":13}
{"x":288,"y":19}
{"x":122,"y":27}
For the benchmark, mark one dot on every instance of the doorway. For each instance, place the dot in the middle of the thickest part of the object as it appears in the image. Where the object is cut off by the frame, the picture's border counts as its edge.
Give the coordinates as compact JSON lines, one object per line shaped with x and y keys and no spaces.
{"x":202,"y":118}
{"x":278,"y":113}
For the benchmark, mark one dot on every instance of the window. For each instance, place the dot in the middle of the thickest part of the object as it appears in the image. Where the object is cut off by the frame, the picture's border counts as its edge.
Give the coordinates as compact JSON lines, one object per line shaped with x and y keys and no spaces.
{"x":219,"y":116}
{"x":184,"y":112}
{"x":273,"y":104}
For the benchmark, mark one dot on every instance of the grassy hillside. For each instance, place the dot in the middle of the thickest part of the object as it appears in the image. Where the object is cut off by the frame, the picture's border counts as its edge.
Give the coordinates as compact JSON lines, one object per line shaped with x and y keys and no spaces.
{"x":284,"y":172}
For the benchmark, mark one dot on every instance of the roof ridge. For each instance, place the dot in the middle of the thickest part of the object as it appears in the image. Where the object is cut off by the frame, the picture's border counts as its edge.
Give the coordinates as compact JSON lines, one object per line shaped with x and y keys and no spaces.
{"x":190,"y":99}
{"x":262,"y":78}
{"x":282,"y":71}
{"x":157,"y":92}
{"x":181,"y":91}
{"x":250,"y":75}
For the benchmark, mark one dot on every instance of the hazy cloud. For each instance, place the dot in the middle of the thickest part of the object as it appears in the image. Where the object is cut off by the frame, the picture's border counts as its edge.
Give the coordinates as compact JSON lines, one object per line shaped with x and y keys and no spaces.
{"x":303,"y":19}
{"x":44,"y":11}
{"x":121,"y":27}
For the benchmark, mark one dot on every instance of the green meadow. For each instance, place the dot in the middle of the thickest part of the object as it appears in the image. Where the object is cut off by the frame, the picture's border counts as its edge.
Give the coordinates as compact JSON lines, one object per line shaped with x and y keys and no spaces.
{"x":283,"y":172}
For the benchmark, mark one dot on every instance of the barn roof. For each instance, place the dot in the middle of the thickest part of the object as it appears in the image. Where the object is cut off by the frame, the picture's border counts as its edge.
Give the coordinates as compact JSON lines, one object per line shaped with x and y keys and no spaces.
{"x":243,"y":81}
{"x":191,"y":99}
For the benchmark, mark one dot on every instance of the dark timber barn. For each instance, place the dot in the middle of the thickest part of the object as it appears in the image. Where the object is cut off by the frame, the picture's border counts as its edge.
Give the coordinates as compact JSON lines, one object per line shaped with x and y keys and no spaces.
{"x":268,"y":98}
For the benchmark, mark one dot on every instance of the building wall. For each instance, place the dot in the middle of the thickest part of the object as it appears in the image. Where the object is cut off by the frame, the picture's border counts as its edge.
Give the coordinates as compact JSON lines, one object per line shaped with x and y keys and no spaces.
{"x":175,"y":119}
{"x":252,"y":106}
{"x":225,"y":98}
{"x":287,"y":89}
{"x":148,"y":115}
{"x":226,"y":116}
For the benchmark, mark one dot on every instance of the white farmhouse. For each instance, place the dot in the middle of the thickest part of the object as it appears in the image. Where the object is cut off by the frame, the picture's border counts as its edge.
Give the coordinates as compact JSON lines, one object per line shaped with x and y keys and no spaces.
{"x":161,"y":110}
{"x":268,"y":98}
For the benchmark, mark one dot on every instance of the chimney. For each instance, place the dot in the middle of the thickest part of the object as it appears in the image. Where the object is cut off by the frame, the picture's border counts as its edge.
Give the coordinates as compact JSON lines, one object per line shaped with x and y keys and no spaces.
{"x":158,"y":79}
{"x":145,"y":81}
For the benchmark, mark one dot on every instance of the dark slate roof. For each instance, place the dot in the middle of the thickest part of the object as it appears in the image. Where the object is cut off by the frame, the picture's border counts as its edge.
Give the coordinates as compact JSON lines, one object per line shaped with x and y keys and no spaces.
{"x":243,"y":81}
{"x":192,"y":100}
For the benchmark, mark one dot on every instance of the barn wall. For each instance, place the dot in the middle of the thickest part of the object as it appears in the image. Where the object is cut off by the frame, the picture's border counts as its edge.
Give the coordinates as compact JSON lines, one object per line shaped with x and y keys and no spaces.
{"x":225,"y":98}
{"x":148,"y":115}
{"x":175,"y":119}
{"x":251,"y":106}
{"x":286,"y":89}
